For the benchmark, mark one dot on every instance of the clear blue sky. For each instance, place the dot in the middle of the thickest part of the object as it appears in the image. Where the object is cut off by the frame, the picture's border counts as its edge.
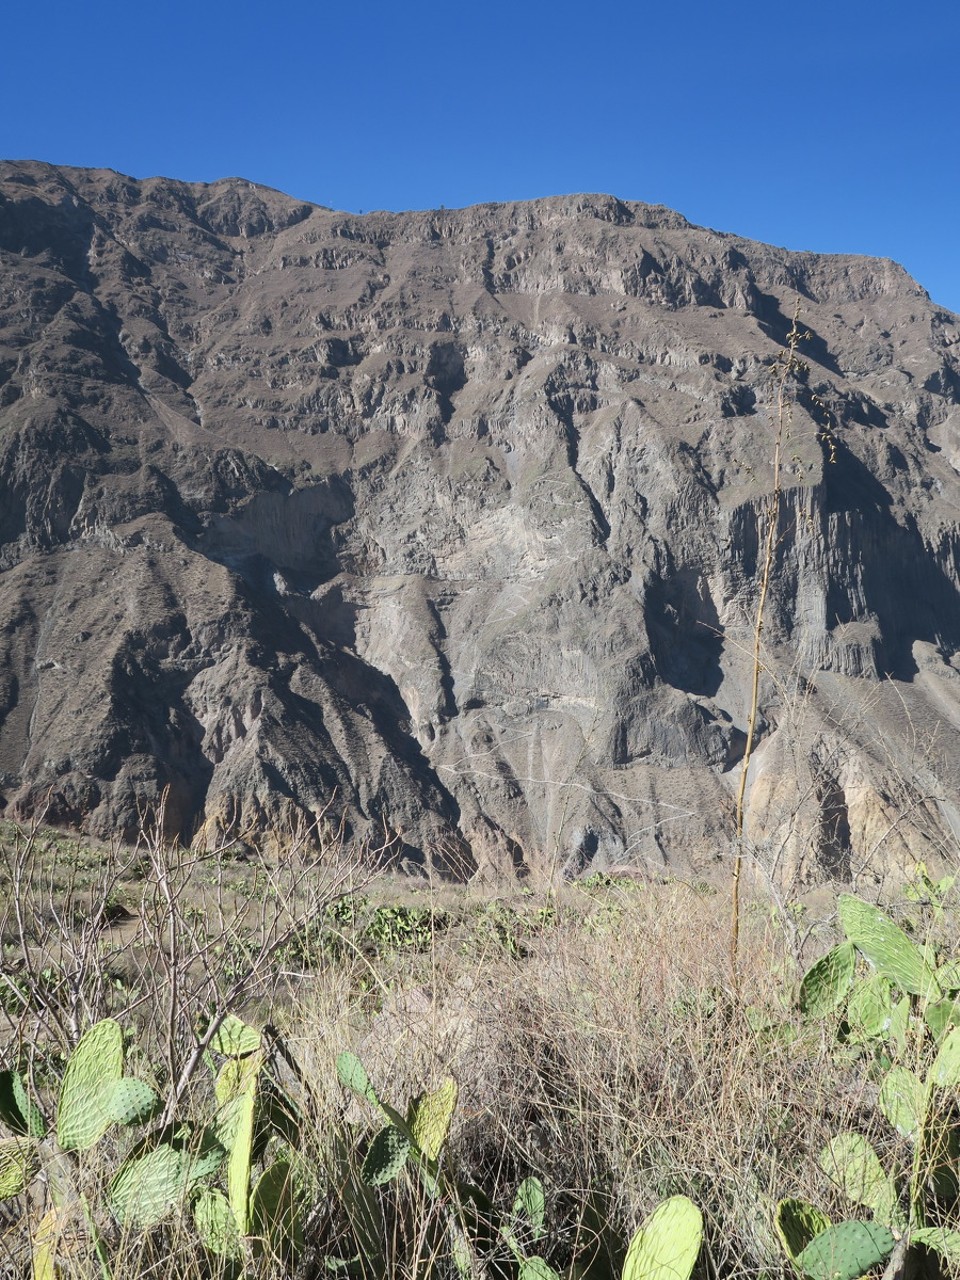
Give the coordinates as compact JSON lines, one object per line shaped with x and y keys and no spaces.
{"x":828,"y":126}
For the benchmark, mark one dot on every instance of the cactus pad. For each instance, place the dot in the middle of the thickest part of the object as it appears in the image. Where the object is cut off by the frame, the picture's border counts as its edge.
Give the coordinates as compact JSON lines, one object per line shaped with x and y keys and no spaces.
{"x":46,"y":1241}
{"x":887,"y":948}
{"x":945,"y":1071}
{"x":19,"y":1161}
{"x":797,"y":1223}
{"x":667,"y":1245}
{"x":941,"y":1240}
{"x":870,"y":1008}
{"x":236,"y":1090}
{"x":902,"y":1100}
{"x":941,"y":1016}
{"x":386,"y":1156}
{"x":16,"y":1110}
{"x":353,"y":1076}
{"x":147,"y":1187}
{"x":826,"y":983}
{"x":531,"y":1204}
{"x":536,"y":1269}
{"x":431,"y":1116}
{"x":216,"y":1225}
{"x":852,"y":1163}
{"x":276,"y":1209}
{"x":130,"y":1101}
{"x":95,"y":1066}
{"x":234,"y":1039}
{"x":846,"y":1251}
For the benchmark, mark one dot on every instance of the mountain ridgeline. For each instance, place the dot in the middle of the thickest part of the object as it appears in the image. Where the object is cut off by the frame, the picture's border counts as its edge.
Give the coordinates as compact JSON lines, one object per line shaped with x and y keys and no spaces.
{"x":446,"y":525}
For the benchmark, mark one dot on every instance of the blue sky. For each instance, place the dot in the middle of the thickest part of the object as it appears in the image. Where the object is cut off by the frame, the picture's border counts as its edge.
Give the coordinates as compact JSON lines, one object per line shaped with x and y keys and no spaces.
{"x":826,"y":126}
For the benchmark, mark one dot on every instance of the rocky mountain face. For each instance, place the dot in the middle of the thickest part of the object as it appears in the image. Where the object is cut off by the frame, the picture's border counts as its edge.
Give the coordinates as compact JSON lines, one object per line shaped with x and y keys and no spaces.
{"x":447,"y":524}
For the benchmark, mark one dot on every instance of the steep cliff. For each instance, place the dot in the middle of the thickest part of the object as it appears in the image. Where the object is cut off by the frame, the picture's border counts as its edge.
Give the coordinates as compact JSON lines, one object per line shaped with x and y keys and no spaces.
{"x":448,"y":523}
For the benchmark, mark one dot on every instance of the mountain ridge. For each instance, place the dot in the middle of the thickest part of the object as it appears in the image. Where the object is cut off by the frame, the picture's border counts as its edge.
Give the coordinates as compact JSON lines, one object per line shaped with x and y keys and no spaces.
{"x":445,"y":523}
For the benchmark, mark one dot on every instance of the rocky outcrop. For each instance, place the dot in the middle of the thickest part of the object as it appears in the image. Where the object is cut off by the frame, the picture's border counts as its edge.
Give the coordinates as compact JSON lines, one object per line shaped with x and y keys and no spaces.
{"x":447,"y":524}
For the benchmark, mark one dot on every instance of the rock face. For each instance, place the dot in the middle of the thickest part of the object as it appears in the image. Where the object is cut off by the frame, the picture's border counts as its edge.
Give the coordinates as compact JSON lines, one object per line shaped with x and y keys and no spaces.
{"x":447,"y":524}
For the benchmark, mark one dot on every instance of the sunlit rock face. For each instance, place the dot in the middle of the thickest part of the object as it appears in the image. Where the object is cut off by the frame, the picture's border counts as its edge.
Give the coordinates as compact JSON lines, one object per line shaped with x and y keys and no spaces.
{"x":448,"y":525}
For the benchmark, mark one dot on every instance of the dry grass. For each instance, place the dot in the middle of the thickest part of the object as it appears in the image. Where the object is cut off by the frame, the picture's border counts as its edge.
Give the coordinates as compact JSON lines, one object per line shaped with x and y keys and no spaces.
{"x":595,"y":1036}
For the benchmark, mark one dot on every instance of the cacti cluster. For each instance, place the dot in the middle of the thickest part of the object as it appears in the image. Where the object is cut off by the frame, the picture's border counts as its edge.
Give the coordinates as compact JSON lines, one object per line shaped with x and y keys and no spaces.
{"x":171,"y":1165}
{"x":908,"y":999}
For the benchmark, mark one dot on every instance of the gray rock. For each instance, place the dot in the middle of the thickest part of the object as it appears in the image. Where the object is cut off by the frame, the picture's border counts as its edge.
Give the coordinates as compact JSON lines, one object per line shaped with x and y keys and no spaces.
{"x":447,"y":524}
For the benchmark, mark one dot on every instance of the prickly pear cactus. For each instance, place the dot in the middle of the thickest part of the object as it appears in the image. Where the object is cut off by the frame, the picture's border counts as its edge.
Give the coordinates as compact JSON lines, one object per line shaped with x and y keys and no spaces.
{"x":235,"y":1039}
{"x":903,"y":1100}
{"x":887,"y":948}
{"x":236,"y":1091}
{"x":130,"y":1101}
{"x":942,"y":1016}
{"x":46,"y":1241}
{"x":948,"y":975}
{"x":95,"y":1066}
{"x":846,"y":1251}
{"x":531,"y":1205}
{"x":216,"y":1224}
{"x":945,"y":1072}
{"x":158,"y":1176}
{"x":19,"y":1161}
{"x":353,"y":1076}
{"x":148,"y":1187}
{"x":386,"y":1157}
{"x":536,"y":1269}
{"x":852,"y":1163}
{"x":797,"y":1223}
{"x":941,"y":1240}
{"x":17,"y":1111}
{"x":826,"y":983}
{"x":277,"y":1210}
{"x":430,"y":1118}
{"x":870,"y":1008}
{"x":667,"y":1245}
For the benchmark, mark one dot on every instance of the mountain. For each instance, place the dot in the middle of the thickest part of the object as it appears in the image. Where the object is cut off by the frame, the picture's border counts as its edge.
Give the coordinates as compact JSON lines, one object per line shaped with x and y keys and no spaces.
{"x":445,"y":525}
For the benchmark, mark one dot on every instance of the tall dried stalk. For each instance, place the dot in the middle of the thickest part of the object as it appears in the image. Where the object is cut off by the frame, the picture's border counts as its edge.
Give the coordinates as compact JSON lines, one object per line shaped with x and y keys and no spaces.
{"x":788,"y":364}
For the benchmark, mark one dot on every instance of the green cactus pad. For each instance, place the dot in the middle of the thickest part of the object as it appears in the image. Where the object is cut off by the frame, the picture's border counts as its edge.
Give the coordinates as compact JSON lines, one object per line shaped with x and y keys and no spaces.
{"x":386,"y":1156}
{"x":945,"y":1071}
{"x":941,"y":1016}
{"x":797,"y":1223}
{"x":852,"y":1163}
{"x":47,"y":1236}
{"x":235,"y":1077}
{"x":131,"y":1102}
{"x":17,"y":1111}
{"x":95,"y":1066}
{"x":948,"y":976}
{"x":941,"y":1240}
{"x":160,"y":1173}
{"x":846,"y":1251}
{"x":216,"y":1225}
{"x":531,"y":1204}
{"x":276,"y":1210}
{"x":902,"y":1100}
{"x":887,"y":948}
{"x":235,"y":1039}
{"x":536,"y":1269}
{"x":352,"y":1075}
{"x":870,"y":1008}
{"x":667,"y":1245}
{"x":234,"y":1129}
{"x":148,"y":1187}
{"x":826,"y":983}
{"x":19,"y":1161}
{"x":33,"y":1116}
{"x":431,"y":1117}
